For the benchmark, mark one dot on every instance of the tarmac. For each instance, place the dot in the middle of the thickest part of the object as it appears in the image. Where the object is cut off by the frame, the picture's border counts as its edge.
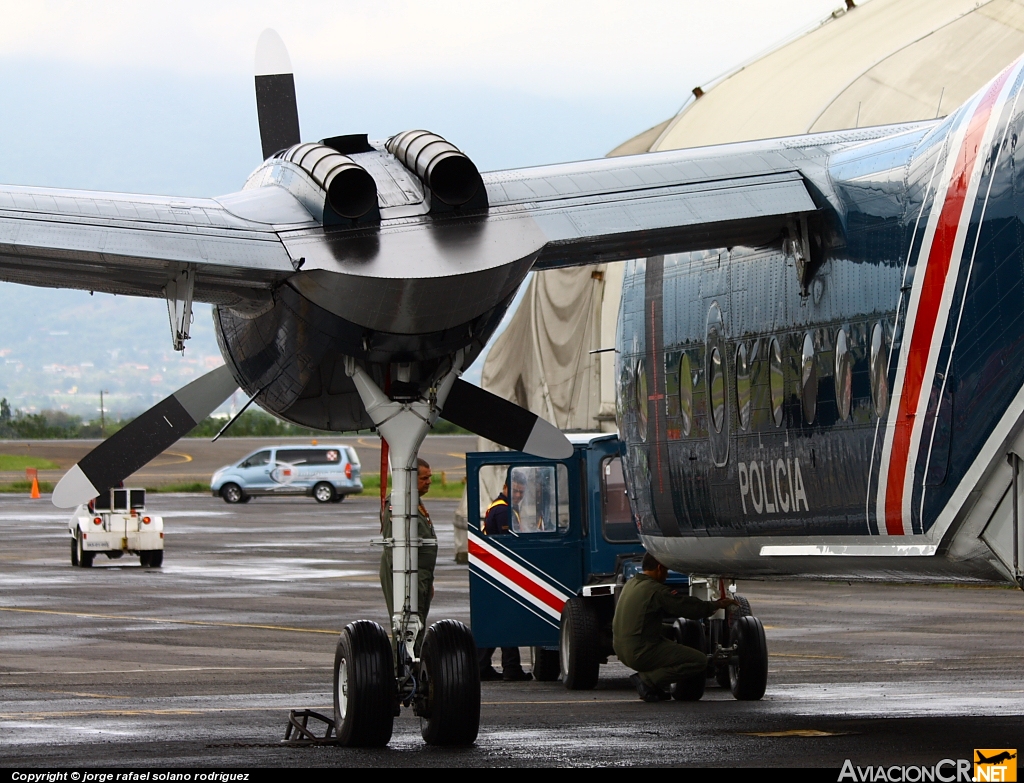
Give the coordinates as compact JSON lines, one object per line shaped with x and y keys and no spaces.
{"x":196,"y":664}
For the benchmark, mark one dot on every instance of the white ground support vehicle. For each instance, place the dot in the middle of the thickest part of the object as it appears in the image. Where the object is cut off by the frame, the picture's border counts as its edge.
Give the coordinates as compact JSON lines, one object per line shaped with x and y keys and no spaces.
{"x":116,"y":523}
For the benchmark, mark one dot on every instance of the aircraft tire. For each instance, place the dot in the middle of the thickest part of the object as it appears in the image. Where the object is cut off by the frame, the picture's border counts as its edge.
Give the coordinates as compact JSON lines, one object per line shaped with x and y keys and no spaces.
{"x":449,"y":707}
{"x":546,"y":667}
{"x":732,"y":615}
{"x":748,"y":676}
{"x":364,"y":686}
{"x":74,"y":552}
{"x":579,"y":644}
{"x":690,"y":633}
{"x":84,"y":558}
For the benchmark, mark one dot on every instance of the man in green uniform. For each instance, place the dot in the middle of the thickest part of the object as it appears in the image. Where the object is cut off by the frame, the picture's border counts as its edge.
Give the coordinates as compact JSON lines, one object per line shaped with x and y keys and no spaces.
{"x":427,"y":554}
{"x":638,"y":634}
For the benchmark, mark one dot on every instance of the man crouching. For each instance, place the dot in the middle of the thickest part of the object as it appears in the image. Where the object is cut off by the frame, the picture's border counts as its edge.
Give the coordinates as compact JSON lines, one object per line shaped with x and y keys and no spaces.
{"x":638,"y":632}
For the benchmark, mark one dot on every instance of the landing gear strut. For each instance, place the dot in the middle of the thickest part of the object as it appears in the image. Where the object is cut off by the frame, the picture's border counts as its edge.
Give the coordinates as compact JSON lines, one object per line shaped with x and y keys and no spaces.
{"x":371,"y":684}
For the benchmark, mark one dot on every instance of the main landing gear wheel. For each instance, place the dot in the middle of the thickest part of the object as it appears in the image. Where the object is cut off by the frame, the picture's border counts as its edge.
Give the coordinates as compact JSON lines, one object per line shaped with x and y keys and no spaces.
{"x":323,"y":492}
{"x":748,"y":676}
{"x":733,"y":614}
{"x":546,"y":667}
{"x":449,"y":685}
{"x":364,"y":686}
{"x":690,"y":633}
{"x":84,"y":558}
{"x":579,"y":644}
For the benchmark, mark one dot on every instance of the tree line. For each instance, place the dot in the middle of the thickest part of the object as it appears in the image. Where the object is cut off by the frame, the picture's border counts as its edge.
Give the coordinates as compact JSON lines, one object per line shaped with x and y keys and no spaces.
{"x":58,"y":425}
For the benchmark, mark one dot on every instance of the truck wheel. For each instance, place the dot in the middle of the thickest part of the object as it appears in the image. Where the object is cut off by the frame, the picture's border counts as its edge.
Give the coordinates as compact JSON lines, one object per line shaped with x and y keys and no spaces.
{"x":449,"y":706}
{"x":546,"y":667}
{"x":232,"y":493}
{"x":748,"y":676}
{"x":323,"y":492}
{"x":690,"y":633}
{"x":579,"y":644}
{"x":74,"y":552}
{"x":151,"y":558}
{"x":84,"y":558}
{"x":364,"y":686}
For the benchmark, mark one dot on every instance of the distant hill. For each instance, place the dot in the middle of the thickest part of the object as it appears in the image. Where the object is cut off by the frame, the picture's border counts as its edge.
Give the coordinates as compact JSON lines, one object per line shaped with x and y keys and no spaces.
{"x":58,"y":348}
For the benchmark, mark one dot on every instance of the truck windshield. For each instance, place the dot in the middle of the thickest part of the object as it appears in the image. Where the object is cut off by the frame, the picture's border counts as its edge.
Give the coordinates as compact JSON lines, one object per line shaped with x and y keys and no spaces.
{"x":616,"y":518}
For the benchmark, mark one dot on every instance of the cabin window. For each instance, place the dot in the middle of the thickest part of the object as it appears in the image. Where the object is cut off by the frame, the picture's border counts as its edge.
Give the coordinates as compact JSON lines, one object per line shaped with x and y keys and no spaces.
{"x":775,"y":380}
{"x":641,"y":399}
{"x":879,"y":376}
{"x":616,"y":519}
{"x":809,"y":379}
{"x":716,"y":387}
{"x":844,"y":376}
{"x":743,"y":386}
{"x":685,"y":393}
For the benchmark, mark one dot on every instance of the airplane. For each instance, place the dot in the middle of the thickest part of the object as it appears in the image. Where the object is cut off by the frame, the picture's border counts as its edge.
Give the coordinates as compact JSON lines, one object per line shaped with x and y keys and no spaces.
{"x":996,"y":759}
{"x":818,"y":366}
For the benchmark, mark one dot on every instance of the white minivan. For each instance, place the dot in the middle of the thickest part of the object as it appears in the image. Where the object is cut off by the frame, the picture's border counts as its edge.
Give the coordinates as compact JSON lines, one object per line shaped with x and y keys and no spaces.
{"x":327,"y":473}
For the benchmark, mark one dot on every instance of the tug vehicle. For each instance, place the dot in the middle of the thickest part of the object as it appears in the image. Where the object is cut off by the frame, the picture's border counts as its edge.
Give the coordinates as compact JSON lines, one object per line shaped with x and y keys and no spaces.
{"x":116,"y":523}
{"x":551,"y":582}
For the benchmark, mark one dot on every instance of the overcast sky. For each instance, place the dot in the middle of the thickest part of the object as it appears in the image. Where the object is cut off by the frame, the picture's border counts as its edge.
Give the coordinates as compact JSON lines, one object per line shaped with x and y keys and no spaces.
{"x":158,"y":97}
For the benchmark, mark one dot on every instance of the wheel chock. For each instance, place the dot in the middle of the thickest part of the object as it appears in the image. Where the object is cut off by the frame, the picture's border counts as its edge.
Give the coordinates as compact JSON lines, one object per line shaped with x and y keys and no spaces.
{"x":297,"y":731}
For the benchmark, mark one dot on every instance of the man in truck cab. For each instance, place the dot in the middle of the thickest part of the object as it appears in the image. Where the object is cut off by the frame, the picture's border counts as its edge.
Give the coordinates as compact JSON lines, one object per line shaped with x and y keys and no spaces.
{"x":638,"y":631}
{"x":502,"y":516}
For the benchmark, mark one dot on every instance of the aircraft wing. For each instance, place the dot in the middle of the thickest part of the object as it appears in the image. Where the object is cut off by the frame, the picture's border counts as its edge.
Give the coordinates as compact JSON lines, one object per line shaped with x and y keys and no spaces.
{"x":633,"y":207}
{"x":131,"y":244}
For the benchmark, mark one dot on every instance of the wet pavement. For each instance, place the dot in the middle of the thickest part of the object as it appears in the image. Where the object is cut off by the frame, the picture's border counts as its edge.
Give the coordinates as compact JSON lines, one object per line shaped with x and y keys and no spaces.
{"x":199,"y":662}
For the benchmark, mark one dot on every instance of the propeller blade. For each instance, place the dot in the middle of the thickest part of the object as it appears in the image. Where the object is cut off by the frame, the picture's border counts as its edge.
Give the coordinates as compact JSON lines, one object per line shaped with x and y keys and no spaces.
{"x":128,"y":449}
{"x":504,"y":422}
{"x":275,"y":95}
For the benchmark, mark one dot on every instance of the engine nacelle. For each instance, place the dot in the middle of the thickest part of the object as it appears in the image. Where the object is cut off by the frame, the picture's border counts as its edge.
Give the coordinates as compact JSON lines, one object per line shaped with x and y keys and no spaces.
{"x":450,"y":176}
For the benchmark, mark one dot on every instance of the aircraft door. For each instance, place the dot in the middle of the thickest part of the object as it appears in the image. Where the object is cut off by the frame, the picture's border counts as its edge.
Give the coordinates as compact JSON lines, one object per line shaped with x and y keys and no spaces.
{"x":525,"y":547}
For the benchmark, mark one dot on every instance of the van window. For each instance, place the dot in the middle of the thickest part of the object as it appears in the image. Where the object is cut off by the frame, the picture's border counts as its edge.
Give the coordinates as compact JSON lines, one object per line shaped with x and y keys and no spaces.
{"x":352,"y":456}
{"x":310,"y":456}
{"x":259,"y":458}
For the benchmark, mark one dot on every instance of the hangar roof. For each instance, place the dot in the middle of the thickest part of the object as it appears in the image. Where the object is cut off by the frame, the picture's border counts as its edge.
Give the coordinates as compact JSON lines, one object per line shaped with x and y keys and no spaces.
{"x":881,"y":62}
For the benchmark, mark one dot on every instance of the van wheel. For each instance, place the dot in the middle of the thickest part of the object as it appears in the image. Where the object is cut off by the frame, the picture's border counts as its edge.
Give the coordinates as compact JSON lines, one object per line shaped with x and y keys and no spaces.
{"x":338,"y":498}
{"x":324,"y":492}
{"x":579,"y":644}
{"x":84,"y":558}
{"x":232,"y":493}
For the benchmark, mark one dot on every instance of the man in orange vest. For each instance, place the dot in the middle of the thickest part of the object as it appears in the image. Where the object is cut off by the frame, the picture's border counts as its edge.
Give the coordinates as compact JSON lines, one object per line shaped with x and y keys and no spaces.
{"x":503,"y":517}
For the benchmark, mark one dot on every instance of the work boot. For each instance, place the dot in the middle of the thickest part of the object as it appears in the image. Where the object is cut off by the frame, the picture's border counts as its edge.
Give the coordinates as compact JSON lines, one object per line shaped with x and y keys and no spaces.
{"x":490,"y":674}
{"x":647,"y":692}
{"x":462,"y":558}
{"x":515,"y":675}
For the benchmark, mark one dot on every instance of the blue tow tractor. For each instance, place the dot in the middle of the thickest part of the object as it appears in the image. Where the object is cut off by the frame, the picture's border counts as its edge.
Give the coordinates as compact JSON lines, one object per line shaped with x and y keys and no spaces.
{"x":550,"y":582}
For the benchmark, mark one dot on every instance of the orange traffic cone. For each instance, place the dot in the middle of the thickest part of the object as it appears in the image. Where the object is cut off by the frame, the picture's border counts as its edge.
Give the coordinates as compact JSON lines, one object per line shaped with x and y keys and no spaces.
{"x":33,"y":473}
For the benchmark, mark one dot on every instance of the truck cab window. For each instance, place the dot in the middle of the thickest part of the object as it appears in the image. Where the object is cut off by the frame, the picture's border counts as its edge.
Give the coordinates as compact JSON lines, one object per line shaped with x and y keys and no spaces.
{"x":534,"y":499}
{"x":616,"y":519}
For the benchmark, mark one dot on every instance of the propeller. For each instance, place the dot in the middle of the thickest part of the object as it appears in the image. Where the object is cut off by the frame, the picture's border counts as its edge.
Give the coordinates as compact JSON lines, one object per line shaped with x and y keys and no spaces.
{"x":131,"y":447}
{"x":504,"y":422}
{"x":276,"y":106}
